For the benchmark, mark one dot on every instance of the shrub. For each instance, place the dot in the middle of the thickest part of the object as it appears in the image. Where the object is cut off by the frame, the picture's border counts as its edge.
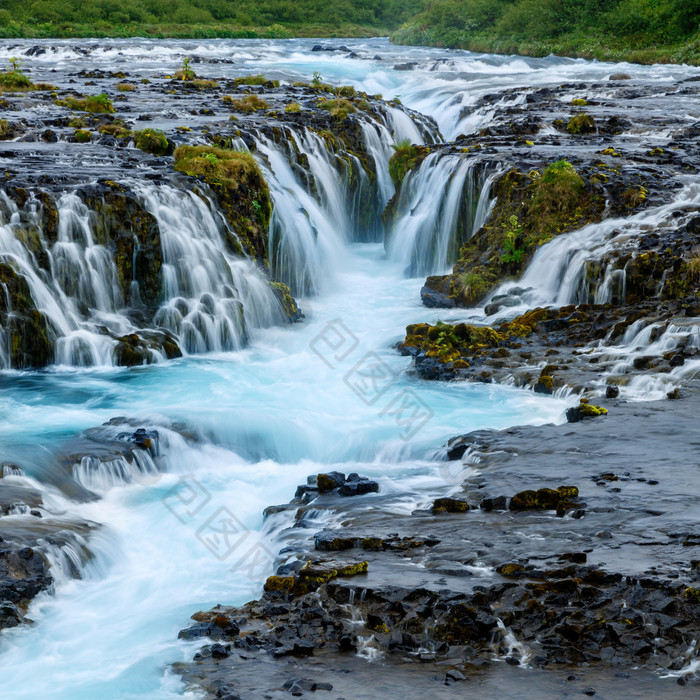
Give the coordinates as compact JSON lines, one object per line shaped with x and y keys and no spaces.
{"x":13,"y":79}
{"x":185,"y":73}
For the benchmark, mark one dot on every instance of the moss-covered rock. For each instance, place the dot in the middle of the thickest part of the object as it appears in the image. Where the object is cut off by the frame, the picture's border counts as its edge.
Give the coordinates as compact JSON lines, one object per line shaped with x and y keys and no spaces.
{"x":152,"y":141}
{"x":25,"y":331}
{"x":241,"y":191}
{"x":312,"y":576}
{"x":531,"y":208}
{"x":449,"y":505}
{"x":406,"y":157}
{"x":284,"y":295}
{"x":581,"y":124}
{"x":543,"y":499}
{"x":120,"y":223}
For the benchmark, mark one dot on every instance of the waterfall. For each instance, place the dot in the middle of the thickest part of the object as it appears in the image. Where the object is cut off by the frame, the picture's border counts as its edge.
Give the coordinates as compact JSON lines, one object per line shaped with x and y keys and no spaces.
{"x":212,"y":298}
{"x":428,"y":231}
{"x":557,"y":273}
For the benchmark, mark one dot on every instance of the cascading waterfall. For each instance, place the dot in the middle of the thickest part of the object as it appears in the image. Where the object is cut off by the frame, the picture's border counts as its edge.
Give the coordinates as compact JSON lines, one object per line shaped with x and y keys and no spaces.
{"x":212,"y":298}
{"x":557,"y":273}
{"x":426,"y":235}
{"x":334,"y":202}
{"x":243,"y":430}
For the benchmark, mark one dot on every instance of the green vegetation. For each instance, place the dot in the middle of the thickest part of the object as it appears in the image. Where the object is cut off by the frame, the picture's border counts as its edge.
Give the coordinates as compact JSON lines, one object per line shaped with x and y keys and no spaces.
{"x":249,"y":103}
{"x":82,"y":136}
{"x":274,"y":19}
{"x":91,"y":103}
{"x":215,"y":165}
{"x":339,"y":107}
{"x":293,"y":108}
{"x":406,"y":157}
{"x":581,"y":124}
{"x":531,"y":208}
{"x":185,"y":73}
{"x":643,"y":31}
{"x":151,"y":141}
{"x":13,"y":79}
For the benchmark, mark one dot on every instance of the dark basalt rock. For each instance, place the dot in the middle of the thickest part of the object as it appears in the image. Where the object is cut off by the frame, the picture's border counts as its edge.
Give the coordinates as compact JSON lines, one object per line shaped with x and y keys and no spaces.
{"x":24,"y":573}
{"x":27,"y":329}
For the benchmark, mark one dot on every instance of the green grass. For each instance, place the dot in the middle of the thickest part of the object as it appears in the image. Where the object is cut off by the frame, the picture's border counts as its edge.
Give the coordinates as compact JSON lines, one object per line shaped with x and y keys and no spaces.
{"x":203,"y":18}
{"x":640,"y":31}
{"x":100,"y":104}
{"x":217,"y":166}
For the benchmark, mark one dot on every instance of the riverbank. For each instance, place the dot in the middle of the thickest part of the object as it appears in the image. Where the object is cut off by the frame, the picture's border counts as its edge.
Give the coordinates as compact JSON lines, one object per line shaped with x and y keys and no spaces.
{"x":587,"y":46}
{"x":450,"y":592}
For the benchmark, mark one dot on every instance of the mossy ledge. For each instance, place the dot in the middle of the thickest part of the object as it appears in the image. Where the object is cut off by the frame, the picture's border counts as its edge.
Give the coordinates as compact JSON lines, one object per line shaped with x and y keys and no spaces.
{"x":241,"y":191}
{"x":531,"y":209}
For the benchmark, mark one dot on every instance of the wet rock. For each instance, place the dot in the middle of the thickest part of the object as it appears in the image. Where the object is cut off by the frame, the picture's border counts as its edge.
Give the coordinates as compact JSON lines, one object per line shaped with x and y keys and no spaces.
{"x":449,"y":505}
{"x":24,"y":573}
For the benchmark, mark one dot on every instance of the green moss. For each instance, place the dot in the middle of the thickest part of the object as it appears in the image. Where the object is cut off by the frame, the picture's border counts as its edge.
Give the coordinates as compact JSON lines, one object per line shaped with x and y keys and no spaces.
{"x":325,"y":483}
{"x":361,"y":567}
{"x":151,"y":141}
{"x":284,"y":294}
{"x":449,"y":505}
{"x":293,"y":108}
{"x":116,"y":129}
{"x":579,"y":102}
{"x":100,"y":104}
{"x":81,"y":135}
{"x":543,"y":499}
{"x":339,"y":107}
{"x":126,"y":87}
{"x":215,"y":165}
{"x":451,"y":343}
{"x":279,"y":583}
{"x":692,"y":595}
{"x":5,"y":129}
{"x":511,"y":570}
{"x":241,"y":189}
{"x":255,"y":80}
{"x":247,"y":104}
{"x":590,"y":411}
{"x":405,"y":158}
{"x":547,"y":381}
{"x":581,"y":124}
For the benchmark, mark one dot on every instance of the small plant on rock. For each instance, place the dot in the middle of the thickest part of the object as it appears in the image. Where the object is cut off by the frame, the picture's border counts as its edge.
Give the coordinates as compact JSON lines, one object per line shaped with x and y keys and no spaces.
{"x":185,"y":73}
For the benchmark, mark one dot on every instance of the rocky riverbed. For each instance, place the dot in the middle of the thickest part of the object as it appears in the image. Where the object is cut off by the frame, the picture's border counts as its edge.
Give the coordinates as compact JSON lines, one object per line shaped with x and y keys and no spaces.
{"x":480,"y":575}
